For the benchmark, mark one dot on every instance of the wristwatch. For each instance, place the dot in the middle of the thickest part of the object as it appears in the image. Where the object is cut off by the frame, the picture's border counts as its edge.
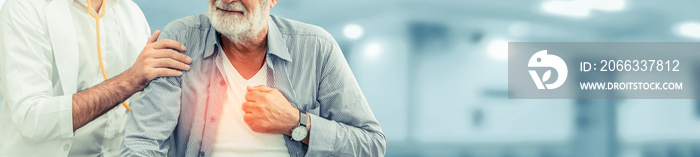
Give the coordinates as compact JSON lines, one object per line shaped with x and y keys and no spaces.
{"x":299,"y":133}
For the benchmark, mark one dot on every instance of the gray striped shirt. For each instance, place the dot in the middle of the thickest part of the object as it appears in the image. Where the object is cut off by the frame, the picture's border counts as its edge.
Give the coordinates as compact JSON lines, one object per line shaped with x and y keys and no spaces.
{"x":178,"y":116}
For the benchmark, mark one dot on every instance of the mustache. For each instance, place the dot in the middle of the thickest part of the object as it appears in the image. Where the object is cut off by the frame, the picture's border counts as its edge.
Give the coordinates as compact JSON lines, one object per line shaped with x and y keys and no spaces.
{"x":235,"y":6}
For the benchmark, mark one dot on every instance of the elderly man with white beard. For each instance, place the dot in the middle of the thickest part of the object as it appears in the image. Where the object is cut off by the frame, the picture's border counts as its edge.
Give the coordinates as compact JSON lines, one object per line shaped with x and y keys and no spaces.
{"x":258,"y":85}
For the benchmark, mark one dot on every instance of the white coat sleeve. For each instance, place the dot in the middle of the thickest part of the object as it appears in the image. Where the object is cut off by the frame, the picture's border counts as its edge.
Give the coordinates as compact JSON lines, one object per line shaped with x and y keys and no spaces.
{"x":27,"y":76}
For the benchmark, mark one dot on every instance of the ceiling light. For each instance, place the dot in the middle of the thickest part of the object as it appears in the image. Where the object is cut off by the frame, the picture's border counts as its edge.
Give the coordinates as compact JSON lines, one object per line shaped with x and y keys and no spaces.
{"x":353,"y":31}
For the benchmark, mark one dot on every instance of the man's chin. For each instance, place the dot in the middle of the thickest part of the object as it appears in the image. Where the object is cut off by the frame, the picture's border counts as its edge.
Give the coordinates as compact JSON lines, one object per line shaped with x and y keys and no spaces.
{"x":232,"y":31}
{"x":230,"y":21}
{"x":230,"y":25}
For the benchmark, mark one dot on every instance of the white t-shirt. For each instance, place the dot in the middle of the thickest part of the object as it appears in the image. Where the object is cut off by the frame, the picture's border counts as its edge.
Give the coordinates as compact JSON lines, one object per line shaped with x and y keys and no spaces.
{"x":233,"y":136}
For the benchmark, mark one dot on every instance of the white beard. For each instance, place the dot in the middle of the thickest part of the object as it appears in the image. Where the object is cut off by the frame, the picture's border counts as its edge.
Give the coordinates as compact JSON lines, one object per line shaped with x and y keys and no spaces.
{"x":237,"y":27}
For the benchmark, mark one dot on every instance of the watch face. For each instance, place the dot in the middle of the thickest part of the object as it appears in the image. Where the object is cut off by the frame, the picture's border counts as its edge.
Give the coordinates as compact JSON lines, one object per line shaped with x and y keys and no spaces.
{"x":299,"y":133}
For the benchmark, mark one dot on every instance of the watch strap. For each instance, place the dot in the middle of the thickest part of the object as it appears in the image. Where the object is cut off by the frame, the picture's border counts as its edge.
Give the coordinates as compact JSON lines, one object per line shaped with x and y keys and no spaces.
{"x":302,"y":118}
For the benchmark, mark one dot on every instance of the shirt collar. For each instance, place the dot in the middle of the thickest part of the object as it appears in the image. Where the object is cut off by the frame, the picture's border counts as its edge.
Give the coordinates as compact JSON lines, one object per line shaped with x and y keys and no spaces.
{"x":275,"y":43}
{"x":84,"y":3}
{"x":80,"y":1}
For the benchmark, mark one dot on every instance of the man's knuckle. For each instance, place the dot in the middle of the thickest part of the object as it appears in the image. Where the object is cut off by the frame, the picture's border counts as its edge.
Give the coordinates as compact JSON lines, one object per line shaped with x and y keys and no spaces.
{"x":262,"y":126}
{"x":256,"y":106}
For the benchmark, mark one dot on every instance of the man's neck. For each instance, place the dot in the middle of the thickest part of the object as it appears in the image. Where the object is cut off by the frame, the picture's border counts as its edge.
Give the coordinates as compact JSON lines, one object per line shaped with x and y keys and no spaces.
{"x":246,"y":56}
{"x":254,"y":46}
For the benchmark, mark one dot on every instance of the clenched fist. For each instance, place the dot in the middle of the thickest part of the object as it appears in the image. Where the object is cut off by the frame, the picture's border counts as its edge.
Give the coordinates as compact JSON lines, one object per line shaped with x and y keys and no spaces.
{"x":268,"y":111}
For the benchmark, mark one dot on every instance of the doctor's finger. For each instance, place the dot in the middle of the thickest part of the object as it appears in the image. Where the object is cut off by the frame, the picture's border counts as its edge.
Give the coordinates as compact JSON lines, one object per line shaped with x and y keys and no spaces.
{"x":168,"y":53}
{"x":153,"y":37}
{"x":163,"y":72}
{"x":170,"y":63}
{"x":168,"y":44}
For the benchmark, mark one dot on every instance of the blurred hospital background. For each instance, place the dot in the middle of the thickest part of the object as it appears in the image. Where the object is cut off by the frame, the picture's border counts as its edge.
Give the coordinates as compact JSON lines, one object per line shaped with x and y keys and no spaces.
{"x":435,"y":73}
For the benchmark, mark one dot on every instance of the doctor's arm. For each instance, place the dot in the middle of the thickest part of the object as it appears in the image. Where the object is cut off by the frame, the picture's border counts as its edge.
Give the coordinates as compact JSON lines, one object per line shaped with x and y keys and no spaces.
{"x":156,"y":60}
{"x":28,"y":77}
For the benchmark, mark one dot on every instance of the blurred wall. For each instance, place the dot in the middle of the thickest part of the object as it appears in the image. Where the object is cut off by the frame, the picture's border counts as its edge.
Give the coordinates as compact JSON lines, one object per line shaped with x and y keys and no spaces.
{"x":435,"y":73}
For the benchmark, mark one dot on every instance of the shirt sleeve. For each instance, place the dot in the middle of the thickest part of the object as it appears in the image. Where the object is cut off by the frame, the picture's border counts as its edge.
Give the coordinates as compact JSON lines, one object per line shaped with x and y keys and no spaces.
{"x":346,"y":125}
{"x":36,"y":110}
{"x":153,"y":117}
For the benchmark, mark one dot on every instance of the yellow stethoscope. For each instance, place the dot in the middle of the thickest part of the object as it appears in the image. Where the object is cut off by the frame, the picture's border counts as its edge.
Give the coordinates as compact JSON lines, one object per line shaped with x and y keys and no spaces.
{"x":99,"y":46}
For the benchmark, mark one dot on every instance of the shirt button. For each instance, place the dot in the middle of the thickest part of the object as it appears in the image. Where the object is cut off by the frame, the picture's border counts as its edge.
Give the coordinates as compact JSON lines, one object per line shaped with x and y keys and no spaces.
{"x":222,"y":83}
{"x":66,"y":147}
{"x":212,"y":119}
{"x":201,"y":153}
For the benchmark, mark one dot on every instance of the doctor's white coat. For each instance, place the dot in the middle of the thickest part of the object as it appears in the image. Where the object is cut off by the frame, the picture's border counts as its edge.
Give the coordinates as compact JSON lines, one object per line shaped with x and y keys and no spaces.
{"x":38,"y":74}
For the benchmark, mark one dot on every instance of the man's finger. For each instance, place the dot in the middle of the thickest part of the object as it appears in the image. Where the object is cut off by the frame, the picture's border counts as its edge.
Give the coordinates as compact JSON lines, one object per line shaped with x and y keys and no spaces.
{"x":261,"y":88}
{"x":153,"y":37}
{"x":264,"y":88}
{"x":169,"y":44}
{"x":247,"y":107}
{"x":248,"y":119}
{"x":253,"y":96}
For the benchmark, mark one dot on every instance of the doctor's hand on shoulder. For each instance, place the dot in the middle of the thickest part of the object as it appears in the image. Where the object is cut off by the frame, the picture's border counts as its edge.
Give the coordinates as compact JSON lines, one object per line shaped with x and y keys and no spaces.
{"x":158,"y":59}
